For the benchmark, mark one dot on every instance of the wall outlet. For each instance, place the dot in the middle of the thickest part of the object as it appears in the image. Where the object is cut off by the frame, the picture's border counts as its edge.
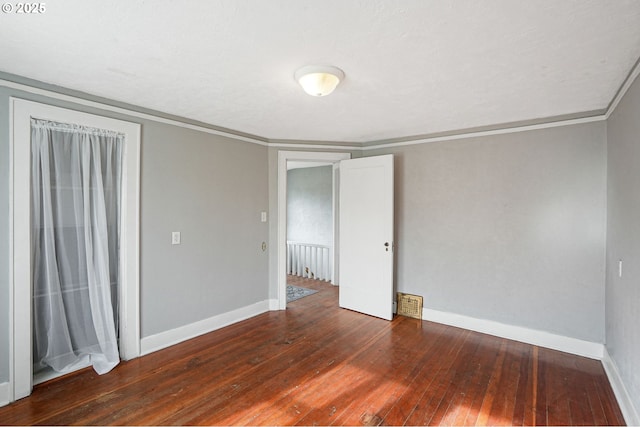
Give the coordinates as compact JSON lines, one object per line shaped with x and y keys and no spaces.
{"x":263,"y":216}
{"x":175,"y":237}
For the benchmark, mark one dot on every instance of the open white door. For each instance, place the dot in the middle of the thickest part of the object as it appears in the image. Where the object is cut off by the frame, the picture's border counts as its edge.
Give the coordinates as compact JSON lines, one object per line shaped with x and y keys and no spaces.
{"x":366,"y":235}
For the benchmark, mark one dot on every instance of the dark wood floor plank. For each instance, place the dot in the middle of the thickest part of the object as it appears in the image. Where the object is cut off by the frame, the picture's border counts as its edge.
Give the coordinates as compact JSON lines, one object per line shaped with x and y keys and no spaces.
{"x":57,"y":401}
{"x":444,"y":406}
{"x":449,"y":406}
{"x":435,"y":341}
{"x":477,"y":386}
{"x":385,"y":364}
{"x":350,"y":378}
{"x":609,"y":404}
{"x":433,"y":394}
{"x":407,"y":359}
{"x":179,"y":377}
{"x":580,"y":405}
{"x":523,"y":402}
{"x":303,"y":371}
{"x":368,"y":365}
{"x":492,"y":389}
{"x":278,"y":371}
{"x":558,"y":390}
{"x":404,"y":408}
{"x":319,"y":364}
{"x":305,"y":366}
{"x":540,"y":416}
{"x":504,"y":403}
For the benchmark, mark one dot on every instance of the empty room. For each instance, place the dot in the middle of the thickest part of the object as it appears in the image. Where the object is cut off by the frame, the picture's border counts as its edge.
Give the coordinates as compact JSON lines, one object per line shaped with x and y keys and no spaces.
{"x":243,"y":212}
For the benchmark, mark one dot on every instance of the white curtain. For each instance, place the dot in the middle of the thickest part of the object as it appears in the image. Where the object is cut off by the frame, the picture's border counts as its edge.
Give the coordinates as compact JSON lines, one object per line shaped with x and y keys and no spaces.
{"x":76,"y":179}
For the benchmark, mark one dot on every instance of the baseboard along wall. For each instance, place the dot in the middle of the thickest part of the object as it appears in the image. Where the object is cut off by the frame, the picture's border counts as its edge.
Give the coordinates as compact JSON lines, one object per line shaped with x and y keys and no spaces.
{"x":588,"y":349}
{"x":629,"y":411}
{"x":4,"y":394}
{"x":575,"y":346}
{"x":174,"y":336}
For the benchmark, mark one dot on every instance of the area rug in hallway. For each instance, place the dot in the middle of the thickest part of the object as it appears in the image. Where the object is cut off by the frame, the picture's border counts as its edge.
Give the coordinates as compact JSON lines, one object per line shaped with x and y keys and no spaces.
{"x":296,"y":292}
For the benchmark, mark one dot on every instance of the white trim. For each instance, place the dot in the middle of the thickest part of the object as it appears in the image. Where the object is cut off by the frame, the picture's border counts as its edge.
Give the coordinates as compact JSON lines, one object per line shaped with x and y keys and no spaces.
{"x":315,"y":146}
{"x":5,"y":394}
{"x":129,"y":315}
{"x":588,"y":349}
{"x":274,"y":304}
{"x":128,"y":112}
{"x":11,"y":273}
{"x":335,"y":222}
{"x":488,"y":132}
{"x":623,"y":90}
{"x":21,"y":377}
{"x":283,"y":158}
{"x":174,"y":336}
{"x":625,"y":402}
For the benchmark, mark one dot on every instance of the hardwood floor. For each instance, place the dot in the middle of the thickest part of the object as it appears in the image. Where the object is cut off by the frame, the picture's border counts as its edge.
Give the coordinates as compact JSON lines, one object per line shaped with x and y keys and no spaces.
{"x":319,"y":364}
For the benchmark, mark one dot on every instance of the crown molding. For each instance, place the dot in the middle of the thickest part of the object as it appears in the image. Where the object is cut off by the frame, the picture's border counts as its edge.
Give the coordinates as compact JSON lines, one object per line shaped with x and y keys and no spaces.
{"x":550,"y":122}
{"x":128,"y":111}
{"x":476,"y":134}
{"x":311,"y":145}
{"x":633,"y":75}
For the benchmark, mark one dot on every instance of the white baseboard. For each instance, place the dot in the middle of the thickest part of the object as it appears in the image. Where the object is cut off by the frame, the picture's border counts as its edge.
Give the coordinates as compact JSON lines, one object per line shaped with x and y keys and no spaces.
{"x":4,"y":394}
{"x":174,"y":336}
{"x":274,"y":304}
{"x":629,"y":411}
{"x":588,"y":349}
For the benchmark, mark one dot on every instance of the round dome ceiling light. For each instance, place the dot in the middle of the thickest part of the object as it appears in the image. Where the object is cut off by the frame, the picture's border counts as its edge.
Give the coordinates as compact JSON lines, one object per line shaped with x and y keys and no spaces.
{"x":319,"y":80}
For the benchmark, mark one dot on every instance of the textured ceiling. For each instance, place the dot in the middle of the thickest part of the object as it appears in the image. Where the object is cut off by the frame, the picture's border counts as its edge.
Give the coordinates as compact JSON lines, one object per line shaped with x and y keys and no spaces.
{"x":412,"y":67}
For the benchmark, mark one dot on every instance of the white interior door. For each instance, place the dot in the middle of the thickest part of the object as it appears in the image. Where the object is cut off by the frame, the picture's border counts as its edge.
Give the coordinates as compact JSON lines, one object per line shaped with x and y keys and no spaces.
{"x":366,"y":235}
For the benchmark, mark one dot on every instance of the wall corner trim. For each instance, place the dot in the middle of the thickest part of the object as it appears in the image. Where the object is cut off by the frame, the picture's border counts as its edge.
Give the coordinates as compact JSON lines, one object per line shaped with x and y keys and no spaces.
{"x":623,"y":397}
{"x":274,"y":304}
{"x":4,"y":394}
{"x":171,"y":337}
{"x":575,"y":346}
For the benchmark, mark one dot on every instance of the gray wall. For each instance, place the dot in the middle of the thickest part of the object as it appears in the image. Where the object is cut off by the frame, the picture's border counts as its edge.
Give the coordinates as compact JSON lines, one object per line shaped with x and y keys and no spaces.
{"x":310,"y":205}
{"x":210,"y":188}
{"x":623,"y":241}
{"x":509,"y":228}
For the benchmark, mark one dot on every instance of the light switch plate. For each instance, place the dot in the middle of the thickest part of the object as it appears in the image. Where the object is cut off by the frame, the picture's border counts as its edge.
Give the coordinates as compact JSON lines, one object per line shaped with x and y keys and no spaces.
{"x":620,"y":268}
{"x":175,"y":237}
{"x":263,"y":216}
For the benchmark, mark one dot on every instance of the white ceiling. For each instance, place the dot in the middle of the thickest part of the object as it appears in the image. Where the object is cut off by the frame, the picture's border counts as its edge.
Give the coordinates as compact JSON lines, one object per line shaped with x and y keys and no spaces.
{"x":412,"y":67}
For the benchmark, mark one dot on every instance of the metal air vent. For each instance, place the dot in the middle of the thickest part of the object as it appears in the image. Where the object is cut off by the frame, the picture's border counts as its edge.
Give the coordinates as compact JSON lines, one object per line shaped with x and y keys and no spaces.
{"x":410,"y":305}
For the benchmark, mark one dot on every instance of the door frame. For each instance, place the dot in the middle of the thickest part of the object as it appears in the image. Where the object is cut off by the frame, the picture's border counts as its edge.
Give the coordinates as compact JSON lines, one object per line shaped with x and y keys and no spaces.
{"x":20,"y":268}
{"x":283,"y":158}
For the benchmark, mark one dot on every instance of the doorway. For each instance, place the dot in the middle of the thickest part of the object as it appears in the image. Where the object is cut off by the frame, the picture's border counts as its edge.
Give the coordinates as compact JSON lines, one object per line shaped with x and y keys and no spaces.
{"x":284,"y":158}
{"x":21,"y":262}
{"x":310,"y":200}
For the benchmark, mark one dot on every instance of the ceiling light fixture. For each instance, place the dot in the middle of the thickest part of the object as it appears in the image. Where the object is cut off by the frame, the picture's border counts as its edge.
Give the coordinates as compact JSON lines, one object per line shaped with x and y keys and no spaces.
{"x":319,"y":80}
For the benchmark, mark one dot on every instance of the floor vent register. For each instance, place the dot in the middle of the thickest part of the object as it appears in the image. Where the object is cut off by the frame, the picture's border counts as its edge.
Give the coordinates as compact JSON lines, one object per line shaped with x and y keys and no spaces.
{"x":410,"y":305}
